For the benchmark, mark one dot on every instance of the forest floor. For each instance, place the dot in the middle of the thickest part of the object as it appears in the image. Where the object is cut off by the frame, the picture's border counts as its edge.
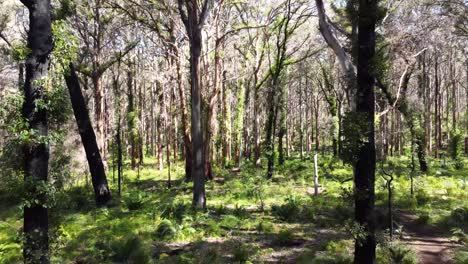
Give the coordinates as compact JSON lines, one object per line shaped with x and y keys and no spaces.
{"x":249,"y":219}
{"x":429,"y":243}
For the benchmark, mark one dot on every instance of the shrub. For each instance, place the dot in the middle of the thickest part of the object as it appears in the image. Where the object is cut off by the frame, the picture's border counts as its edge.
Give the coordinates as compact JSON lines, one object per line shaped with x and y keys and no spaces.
{"x":459,"y":218}
{"x":243,"y":253}
{"x":423,"y":219}
{"x":422,"y":197}
{"x":166,"y":230}
{"x":229,"y":222}
{"x":175,"y":210}
{"x":133,"y":250}
{"x":400,"y":254}
{"x":461,"y":257}
{"x":134,"y":200}
{"x":289,"y":210}
{"x":336,"y":252}
{"x":284,"y":237}
{"x":265,"y":227}
{"x":240,"y":212}
{"x":209,"y":255}
{"x":212,"y":228}
{"x":456,"y":144}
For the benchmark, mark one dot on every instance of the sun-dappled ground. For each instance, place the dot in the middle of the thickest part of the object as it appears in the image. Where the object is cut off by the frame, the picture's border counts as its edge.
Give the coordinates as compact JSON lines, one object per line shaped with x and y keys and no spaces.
{"x":249,"y":219}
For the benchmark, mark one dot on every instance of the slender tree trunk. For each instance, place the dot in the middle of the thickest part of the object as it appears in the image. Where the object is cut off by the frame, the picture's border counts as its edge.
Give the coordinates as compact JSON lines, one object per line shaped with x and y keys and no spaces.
{"x":131,"y":120}
{"x":96,"y":167}
{"x":185,"y":123}
{"x":436,"y":106}
{"x":301,"y":125}
{"x":36,"y":156}
{"x":226,"y":122}
{"x":99,"y":109}
{"x":256,"y":128}
{"x":119,"y":155}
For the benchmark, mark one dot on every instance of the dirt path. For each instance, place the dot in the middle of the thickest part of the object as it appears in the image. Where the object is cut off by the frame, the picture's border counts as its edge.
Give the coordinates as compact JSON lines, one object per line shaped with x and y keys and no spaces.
{"x":428,"y":242}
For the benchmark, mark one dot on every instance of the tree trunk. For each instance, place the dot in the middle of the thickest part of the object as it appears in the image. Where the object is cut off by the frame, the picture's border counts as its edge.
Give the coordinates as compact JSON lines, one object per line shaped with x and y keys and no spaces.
{"x":185,"y":124}
{"x":99,"y":109}
{"x":226,"y":122}
{"x":36,"y":156}
{"x":131,"y":120}
{"x":96,"y":167}
{"x":364,"y":168}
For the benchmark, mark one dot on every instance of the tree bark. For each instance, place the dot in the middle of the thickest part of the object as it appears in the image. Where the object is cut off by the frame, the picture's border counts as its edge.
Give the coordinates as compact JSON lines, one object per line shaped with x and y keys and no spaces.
{"x":364,"y":168}
{"x":193,"y":21}
{"x":96,"y":166}
{"x":36,"y":156}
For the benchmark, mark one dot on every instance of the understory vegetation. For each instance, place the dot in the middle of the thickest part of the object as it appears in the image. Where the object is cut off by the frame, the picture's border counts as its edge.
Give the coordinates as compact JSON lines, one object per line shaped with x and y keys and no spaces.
{"x":248,"y":219}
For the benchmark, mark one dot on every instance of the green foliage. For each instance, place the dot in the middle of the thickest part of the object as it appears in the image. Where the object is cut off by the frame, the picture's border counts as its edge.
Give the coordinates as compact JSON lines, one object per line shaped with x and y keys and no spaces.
{"x":459,"y":218}
{"x":290,"y":210}
{"x":335,"y":252}
{"x":284,"y":237}
{"x":422,"y":197}
{"x":459,"y":236}
{"x":175,"y":210}
{"x":461,"y":257}
{"x":400,"y":254}
{"x":132,"y":250}
{"x":39,"y":192}
{"x":265,"y":227}
{"x":243,"y":253}
{"x":166,"y":230}
{"x":65,"y":45}
{"x":134,"y":200}
{"x":456,"y":148}
{"x":20,"y":51}
{"x":355,"y":129}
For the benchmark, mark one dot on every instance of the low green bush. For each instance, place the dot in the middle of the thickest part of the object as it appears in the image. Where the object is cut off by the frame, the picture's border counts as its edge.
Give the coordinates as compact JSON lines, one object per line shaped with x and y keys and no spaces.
{"x":284,"y":237}
{"x":290,"y":210}
{"x":166,"y":230}
{"x":132,"y":250}
{"x":461,"y":257}
{"x":395,"y":253}
{"x":243,"y":253}
{"x":265,"y":227}
{"x":134,"y":200}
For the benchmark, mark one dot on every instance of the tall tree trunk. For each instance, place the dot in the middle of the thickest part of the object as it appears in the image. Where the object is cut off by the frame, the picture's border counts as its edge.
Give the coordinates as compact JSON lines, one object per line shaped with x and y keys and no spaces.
{"x":198,"y":170}
{"x":256,"y":127}
{"x":119,"y":155}
{"x":96,"y":167}
{"x":282,"y":123}
{"x":437,"y":108}
{"x":185,"y":123}
{"x":364,"y":168}
{"x":193,"y":21}
{"x":99,"y":109}
{"x":131,"y":120}
{"x":226,"y":122}
{"x":36,"y":156}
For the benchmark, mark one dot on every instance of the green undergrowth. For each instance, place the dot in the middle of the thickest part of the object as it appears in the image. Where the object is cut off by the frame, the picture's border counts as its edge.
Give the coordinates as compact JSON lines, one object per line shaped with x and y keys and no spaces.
{"x":249,"y":218}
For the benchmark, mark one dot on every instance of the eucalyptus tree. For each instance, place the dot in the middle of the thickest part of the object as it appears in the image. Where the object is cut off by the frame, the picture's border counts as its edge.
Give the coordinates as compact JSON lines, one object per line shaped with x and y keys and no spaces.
{"x":194,"y":16}
{"x":96,"y":25}
{"x":289,"y":17}
{"x":36,"y":153}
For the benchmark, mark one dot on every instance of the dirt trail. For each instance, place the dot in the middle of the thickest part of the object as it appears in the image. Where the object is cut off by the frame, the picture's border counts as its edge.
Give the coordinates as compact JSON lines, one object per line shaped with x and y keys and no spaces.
{"x":428,"y":242}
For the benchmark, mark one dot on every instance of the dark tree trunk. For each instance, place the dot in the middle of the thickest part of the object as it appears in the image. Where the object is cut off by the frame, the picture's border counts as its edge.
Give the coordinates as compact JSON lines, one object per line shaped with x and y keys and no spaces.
{"x":131,"y":119}
{"x":119,"y":156}
{"x":364,"y":168}
{"x":96,"y":167}
{"x":36,"y":156}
